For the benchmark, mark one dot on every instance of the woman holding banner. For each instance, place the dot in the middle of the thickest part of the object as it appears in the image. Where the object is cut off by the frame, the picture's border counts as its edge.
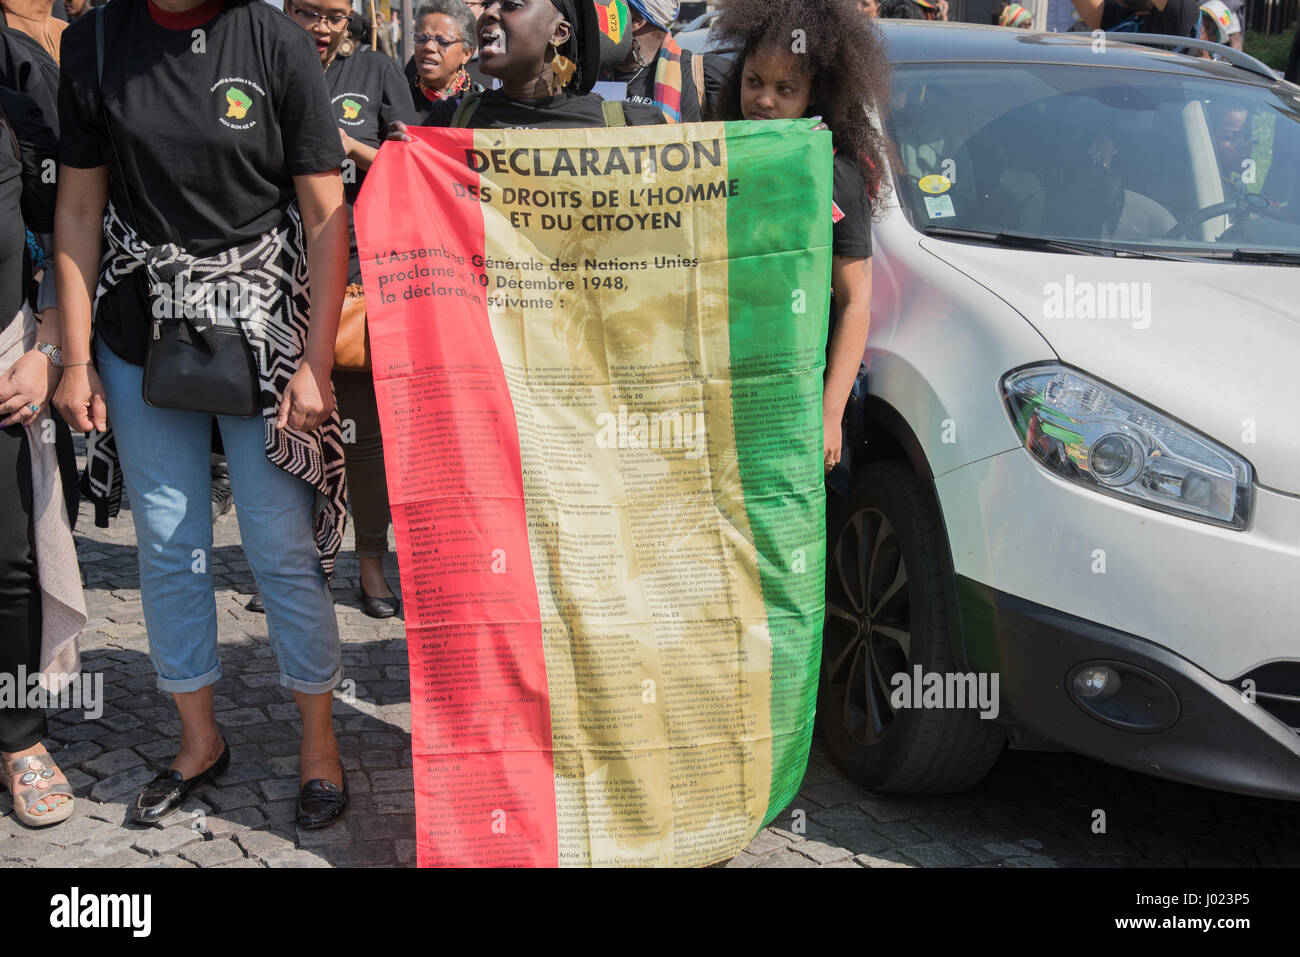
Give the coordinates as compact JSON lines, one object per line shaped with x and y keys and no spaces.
{"x":547,"y":55}
{"x":367,"y":93}
{"x":842,"y":68}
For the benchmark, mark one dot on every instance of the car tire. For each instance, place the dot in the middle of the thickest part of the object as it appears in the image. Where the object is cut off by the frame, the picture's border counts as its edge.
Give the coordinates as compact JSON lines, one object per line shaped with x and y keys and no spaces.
{"x":888,"y":530}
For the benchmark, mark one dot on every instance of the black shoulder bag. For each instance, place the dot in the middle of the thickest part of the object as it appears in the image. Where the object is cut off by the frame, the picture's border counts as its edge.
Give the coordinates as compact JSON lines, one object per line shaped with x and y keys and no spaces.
{"x":189,"y":366}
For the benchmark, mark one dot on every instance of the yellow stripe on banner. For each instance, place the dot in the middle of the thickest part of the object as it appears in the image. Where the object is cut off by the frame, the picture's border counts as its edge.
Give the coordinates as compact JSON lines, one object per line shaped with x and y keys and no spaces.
{"x":609,"y":307}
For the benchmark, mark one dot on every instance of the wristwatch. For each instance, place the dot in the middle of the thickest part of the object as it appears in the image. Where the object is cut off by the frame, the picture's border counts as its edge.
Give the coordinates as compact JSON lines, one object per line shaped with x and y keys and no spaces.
{"x":53,"y":353}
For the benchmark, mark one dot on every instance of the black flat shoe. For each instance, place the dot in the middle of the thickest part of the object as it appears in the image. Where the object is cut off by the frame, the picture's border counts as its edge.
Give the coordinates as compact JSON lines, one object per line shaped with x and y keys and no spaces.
{"x":255,"y":604}
{"x":321,"y":803}
{"x":380,"y":607}
{"x":165,"y":793}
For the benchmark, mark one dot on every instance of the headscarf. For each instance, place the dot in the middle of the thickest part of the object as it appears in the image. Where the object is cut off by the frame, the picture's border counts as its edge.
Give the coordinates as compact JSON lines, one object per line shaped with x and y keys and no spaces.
{"x":1224,"y":20}
{"x":615,"y":22}
{"x":584,"y":46}
{"x":1014,"y":15}
{"x":662,"y":13}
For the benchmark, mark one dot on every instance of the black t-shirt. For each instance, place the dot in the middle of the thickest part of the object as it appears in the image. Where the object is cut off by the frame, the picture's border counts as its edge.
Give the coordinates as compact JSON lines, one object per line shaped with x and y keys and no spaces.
{"x":12,"y":234}
{"x":567,"y":111}
{"x":25,"y":66}
{"x":1177,"y":19}
{"x":851,"y":215}
{"x":366,"y":94}
{"x":426,"y":108}
{"x":851,"y":234}
{"x":26,"y":198}
{"x":213,"y":114}
{"x":641,"y":84}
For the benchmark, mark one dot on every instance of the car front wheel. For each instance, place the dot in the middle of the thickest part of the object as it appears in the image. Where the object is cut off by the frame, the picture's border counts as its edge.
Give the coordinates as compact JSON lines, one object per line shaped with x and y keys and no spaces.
{"x":885,"y":614}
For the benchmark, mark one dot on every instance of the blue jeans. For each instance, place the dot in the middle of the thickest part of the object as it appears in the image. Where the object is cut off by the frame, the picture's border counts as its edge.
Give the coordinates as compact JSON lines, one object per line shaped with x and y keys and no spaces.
{"x":164,"y":454}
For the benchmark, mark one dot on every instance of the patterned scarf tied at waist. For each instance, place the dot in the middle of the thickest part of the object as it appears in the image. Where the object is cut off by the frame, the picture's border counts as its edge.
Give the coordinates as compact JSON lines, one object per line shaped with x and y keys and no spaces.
{"x":271,"y":273}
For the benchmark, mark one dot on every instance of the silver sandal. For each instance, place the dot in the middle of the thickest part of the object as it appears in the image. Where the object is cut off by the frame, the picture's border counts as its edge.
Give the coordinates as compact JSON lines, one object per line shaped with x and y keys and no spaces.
{"x":31,"y":781}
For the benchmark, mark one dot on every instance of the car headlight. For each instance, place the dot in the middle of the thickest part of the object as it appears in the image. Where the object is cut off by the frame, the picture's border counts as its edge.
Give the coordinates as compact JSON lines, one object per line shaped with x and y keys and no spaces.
{"x":1108,"y":441}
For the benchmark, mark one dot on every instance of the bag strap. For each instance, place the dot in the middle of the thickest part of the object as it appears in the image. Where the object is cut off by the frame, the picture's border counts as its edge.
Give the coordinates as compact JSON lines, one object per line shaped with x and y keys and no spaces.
{"x":697,"y":74}
{"x":466,"y":108}
{"x":613,"y":111}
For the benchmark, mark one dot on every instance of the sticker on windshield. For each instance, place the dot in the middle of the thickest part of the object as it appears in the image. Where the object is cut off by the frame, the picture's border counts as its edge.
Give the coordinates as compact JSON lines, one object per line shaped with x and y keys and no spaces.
{"x":939,"y":207}
{"x":935,"y":183}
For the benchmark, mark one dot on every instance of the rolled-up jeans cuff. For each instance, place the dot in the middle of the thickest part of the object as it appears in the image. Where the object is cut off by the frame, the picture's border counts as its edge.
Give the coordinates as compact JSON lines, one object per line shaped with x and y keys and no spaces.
{"x":186,"y":685}
{"x":312,"y":687}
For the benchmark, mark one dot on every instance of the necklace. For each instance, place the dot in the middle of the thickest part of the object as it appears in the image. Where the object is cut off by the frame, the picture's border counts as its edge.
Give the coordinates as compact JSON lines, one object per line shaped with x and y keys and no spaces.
{"x":459,"y":84}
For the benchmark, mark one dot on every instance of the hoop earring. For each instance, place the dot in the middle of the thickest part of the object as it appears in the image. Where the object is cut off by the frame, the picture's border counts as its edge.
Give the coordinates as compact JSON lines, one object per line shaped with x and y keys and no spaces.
{"x":459,"y":84}
{"x":564,"y":69}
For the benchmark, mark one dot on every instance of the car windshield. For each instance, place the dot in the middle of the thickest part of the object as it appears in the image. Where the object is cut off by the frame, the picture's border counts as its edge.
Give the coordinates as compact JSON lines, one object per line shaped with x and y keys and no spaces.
{"x":1119,"y":157}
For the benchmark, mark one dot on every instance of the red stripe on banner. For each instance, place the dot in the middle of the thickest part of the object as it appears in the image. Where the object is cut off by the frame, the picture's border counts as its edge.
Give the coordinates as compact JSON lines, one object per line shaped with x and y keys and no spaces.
{"x":480,"y":709}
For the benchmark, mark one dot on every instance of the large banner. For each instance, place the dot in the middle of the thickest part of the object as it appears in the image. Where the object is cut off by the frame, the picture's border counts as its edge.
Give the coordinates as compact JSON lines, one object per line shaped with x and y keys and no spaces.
{"x":598,"y":356}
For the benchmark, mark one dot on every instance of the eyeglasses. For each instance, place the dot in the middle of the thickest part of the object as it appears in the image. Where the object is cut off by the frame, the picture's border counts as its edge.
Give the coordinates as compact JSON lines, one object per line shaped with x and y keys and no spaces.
{"x":420,"y":39}
{"x":333,"y":20}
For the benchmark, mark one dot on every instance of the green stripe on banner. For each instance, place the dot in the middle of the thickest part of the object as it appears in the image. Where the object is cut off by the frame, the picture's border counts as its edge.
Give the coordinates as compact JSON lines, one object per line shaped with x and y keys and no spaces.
{"x":780,"y":302}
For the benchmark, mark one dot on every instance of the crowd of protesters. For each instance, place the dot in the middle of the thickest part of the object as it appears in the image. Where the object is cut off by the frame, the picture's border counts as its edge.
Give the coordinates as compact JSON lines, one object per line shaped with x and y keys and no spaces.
{"x":162,"y":175}
{"x":154,"y":185}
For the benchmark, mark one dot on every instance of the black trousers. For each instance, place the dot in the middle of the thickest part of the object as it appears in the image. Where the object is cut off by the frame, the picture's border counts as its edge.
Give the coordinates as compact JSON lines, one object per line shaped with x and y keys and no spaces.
{"x":364,"y":461}
{"x":20,"y":596}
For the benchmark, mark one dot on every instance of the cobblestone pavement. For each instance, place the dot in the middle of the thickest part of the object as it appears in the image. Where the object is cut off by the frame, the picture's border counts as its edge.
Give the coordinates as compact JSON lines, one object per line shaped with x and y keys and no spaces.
{"x":1034,"y":809}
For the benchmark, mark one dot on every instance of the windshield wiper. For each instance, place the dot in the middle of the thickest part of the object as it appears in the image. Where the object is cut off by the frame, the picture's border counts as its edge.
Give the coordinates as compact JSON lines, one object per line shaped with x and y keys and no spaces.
{"x":1278,"y":256}
{"x":1041,"y":243}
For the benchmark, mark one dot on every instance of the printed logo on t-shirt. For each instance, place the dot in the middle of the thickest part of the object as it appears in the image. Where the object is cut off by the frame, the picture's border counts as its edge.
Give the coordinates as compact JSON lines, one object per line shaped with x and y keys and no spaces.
{"x":349,"y":107}
{"x":237,"y":106}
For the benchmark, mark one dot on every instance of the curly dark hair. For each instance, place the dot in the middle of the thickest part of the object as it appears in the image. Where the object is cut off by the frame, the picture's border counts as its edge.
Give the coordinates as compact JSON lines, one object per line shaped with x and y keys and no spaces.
{"x":844,"y":53}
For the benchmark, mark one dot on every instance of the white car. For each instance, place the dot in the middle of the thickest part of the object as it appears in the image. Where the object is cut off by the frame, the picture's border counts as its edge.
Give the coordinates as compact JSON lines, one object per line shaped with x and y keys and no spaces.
{"x":1072,"y":519}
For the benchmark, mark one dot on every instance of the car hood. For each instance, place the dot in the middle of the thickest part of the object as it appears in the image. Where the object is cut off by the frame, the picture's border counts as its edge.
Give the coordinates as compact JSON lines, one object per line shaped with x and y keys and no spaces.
{"x":1214,"y":344}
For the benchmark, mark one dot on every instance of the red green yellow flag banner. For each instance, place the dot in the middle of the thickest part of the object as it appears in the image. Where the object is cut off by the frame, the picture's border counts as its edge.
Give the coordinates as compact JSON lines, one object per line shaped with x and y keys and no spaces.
{"x":598,"y":356}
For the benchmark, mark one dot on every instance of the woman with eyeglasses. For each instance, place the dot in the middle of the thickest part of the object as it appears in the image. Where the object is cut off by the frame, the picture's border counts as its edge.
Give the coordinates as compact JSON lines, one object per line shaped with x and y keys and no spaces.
{"x":547,"y":56}
{"x":444,"y":41}
{"x":367,"y":93}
